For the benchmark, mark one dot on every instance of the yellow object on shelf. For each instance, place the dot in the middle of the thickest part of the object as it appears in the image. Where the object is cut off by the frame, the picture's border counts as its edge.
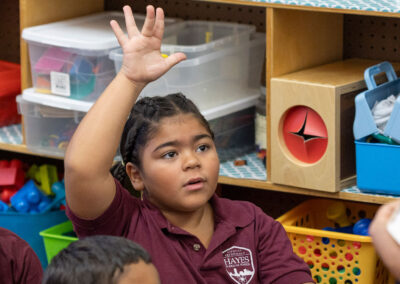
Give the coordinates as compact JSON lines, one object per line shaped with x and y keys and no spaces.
{"x":334,"y":257}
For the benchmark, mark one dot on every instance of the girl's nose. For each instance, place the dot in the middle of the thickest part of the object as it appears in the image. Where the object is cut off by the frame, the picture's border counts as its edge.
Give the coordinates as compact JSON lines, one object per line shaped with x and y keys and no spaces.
{"x":190,"y":160}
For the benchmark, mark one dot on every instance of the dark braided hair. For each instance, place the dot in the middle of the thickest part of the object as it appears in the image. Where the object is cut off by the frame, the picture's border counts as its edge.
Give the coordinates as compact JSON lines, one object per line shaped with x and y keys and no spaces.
{"x":143,"y":122}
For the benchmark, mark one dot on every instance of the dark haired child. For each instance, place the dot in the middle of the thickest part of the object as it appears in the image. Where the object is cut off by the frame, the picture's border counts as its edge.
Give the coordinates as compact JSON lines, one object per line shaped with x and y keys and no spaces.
{"x":102,"y":260}
{"x":18,"y":262}
{"x":168,"y":154}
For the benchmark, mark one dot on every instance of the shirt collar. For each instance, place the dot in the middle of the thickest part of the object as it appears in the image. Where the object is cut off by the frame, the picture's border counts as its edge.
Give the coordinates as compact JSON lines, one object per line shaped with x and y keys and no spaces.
{"x":225,"y":211}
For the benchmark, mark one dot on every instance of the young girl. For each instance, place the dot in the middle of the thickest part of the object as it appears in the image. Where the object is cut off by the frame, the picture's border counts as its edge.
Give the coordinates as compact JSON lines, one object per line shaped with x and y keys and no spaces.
{"x":169,"y":154}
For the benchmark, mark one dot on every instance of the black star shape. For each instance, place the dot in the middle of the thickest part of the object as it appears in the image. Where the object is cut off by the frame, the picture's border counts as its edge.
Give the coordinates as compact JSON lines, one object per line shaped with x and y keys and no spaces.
{"x":306,"y":137}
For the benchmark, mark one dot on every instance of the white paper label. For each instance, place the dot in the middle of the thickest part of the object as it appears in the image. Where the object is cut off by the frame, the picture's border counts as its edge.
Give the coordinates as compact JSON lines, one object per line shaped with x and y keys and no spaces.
{"x":60,"y":83}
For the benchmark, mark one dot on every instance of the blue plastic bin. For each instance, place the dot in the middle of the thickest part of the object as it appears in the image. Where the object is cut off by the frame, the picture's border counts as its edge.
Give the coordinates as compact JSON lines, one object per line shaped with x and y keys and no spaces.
{"x":378,"y":168}
{"x":377,"y":164}
{"x":28,"y":226}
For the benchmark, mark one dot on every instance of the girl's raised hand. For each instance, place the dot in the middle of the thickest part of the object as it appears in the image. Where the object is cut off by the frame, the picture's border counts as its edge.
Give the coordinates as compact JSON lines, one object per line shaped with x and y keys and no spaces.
{"x":143,"y":62}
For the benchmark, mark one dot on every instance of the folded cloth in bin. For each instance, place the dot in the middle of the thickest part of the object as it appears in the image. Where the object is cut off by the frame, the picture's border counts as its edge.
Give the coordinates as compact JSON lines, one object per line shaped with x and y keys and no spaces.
{"x":382,"y":111}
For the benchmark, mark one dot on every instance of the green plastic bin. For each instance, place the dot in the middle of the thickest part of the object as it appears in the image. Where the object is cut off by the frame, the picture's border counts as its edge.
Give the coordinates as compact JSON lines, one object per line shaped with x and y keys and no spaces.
{"x":56,"y":238}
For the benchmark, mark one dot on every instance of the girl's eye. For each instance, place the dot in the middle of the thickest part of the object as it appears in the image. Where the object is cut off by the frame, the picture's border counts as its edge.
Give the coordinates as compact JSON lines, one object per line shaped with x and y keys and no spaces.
{"x":169,"y":155}
{"x":203,"y":148}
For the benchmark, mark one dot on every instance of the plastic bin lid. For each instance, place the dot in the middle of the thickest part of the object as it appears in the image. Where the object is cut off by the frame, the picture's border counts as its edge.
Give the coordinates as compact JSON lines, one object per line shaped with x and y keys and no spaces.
{"x":225,"y":109}
{"x":89,"y":32}
{"x":30,"y":95}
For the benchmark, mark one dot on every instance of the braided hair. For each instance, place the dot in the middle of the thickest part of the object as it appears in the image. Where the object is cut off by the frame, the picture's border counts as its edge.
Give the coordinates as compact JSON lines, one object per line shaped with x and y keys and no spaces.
{"x":143,"y":121}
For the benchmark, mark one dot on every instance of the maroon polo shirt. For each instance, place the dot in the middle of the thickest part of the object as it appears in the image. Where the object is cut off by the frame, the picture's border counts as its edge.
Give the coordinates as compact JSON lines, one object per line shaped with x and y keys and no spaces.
{"x":247,"y":246}
{"x":18,"y":262}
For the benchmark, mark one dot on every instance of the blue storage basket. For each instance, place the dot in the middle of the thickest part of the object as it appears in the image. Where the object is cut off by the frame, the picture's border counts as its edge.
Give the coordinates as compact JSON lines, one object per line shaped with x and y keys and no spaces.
{"x":377,"y":164}
{"x":364,"y":124}
{"x":27,"y":226}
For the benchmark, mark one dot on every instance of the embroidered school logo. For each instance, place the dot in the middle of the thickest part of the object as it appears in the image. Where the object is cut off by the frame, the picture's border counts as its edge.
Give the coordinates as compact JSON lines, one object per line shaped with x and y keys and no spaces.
{"x":239,"y":264}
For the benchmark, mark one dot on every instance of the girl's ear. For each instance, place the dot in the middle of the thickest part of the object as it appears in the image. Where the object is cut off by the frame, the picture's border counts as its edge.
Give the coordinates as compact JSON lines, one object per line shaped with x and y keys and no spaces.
{"x":135,"y":176}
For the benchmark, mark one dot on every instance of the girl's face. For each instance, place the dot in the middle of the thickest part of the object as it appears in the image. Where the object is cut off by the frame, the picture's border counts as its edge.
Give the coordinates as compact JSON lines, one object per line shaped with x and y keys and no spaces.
{"x":180,"y":165}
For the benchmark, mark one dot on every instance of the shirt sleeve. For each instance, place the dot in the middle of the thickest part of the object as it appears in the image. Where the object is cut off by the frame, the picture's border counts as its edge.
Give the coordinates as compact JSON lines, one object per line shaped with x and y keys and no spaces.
{"x":19,"y":263}
{"x":30,"y":267}
{"x":278,"y":263}
{"x":115,"y":221}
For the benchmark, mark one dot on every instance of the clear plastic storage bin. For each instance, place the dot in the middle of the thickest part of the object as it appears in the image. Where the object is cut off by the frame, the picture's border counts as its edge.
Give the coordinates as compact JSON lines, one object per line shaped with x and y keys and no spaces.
{"x":49,"y":121}
{"x":70,"y":58}
{"x":216,"y":78}
{"x":233,"y":126}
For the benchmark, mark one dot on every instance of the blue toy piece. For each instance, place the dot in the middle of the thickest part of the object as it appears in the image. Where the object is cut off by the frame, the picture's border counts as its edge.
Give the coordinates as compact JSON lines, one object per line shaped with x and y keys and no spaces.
{"x":346,"y":229}
{"x":29,"y":199}
{"x":361,"y":227}
{"x":58,"y":188}
{"x":4,"y":207}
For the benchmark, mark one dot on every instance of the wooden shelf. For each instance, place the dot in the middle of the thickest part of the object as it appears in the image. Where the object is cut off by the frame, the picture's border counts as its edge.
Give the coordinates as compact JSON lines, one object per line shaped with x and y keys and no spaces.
{"x":22,"y":149}
{"x":317,"y":6}
{"x":267,"y":185}
{"x":257,"y":184}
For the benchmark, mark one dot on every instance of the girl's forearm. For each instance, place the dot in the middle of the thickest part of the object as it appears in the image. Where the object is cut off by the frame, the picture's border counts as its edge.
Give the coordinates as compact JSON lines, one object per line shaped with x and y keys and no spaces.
{"x":95,"y":141}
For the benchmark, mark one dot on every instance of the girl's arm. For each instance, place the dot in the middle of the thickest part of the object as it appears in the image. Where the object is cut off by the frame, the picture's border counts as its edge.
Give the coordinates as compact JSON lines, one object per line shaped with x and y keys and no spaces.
{"x":90,"y":187}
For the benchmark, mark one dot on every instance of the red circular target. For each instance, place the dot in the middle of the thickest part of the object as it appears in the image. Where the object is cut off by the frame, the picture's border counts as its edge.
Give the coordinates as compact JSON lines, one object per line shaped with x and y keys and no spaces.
{"x":305,"y":134}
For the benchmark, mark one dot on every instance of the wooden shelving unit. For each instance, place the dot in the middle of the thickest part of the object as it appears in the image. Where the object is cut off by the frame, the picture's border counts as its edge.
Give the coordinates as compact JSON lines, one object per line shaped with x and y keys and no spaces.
{"x":298,"y":37}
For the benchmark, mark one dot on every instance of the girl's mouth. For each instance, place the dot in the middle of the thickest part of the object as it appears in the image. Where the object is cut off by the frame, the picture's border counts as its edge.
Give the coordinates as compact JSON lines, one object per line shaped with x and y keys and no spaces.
{"x":194,"y":184}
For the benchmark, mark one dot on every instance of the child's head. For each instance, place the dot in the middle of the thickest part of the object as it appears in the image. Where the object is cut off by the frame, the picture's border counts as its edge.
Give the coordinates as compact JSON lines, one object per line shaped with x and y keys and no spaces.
{"x":102,"y":260}
{"x":145,"y":118}
{"x":175,"y":130}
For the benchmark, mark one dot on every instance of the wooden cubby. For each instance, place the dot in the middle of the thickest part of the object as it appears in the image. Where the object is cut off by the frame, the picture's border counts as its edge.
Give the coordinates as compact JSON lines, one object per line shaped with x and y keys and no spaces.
{"x":298,"y":38}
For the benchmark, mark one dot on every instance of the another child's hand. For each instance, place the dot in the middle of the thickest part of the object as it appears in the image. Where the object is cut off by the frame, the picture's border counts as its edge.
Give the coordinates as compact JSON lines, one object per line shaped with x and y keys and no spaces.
{"x":143,"y":62}
{"x":382,"y":216}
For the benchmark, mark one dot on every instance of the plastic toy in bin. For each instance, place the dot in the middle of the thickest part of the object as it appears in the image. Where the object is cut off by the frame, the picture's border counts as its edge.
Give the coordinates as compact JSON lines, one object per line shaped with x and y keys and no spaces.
{"x":377,"y":163}
{"x":29,"y":199}
{"x":4,"y":207}
{"x":82,"y":78}
{"x":12,"y":174}
{"x":45,"y":176}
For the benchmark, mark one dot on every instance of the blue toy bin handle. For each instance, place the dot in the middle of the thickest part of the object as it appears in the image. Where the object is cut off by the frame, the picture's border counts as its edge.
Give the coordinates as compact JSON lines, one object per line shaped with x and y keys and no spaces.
{"x":376,"y":69}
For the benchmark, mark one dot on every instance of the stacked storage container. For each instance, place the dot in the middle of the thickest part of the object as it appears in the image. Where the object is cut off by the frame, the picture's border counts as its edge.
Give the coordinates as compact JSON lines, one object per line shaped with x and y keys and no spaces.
{"x":70,"y":69}
{"x":73,"y":61}
{"x":376,"y":163}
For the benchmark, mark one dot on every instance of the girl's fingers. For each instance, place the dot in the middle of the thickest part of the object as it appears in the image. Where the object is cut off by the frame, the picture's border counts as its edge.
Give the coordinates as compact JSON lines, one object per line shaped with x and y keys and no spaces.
{"x":121,"y":37}
{"x":131,"y":27}
{"x":174,"y":59}
{"x":158,"y":30}
{"x":148,"y":25}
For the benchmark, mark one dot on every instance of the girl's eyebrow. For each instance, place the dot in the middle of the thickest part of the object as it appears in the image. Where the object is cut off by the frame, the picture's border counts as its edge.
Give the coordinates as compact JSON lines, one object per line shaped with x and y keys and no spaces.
{"x":176,"y":142}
